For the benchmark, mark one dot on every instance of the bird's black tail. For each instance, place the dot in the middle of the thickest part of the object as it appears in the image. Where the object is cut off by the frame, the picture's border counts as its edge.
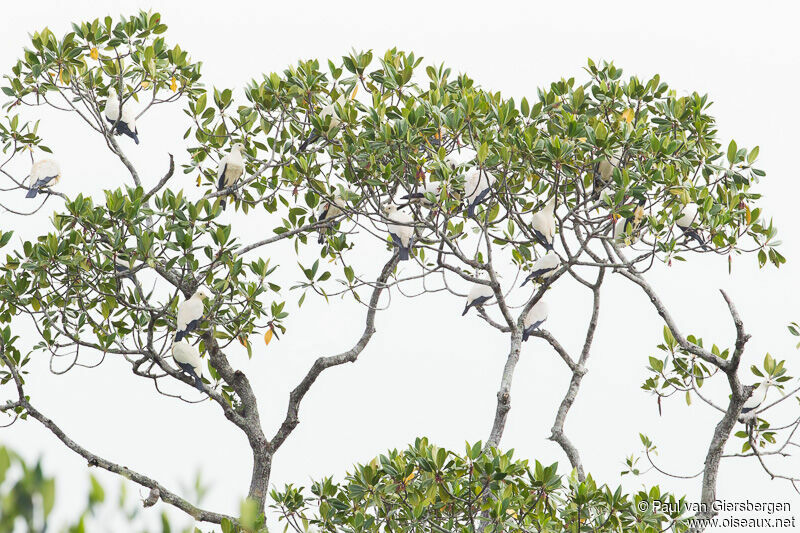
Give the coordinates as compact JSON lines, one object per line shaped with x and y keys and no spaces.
{"x":466,"y":308}
{"x":32,"y":192}
{"x":179,"y":335}
{"x":310,"y":139}
{"x":198,"y":382}
{"x":403,"y":252}
{"x":223,"y":203}
{"x":471,"y":210}
{"x":694,"y":234}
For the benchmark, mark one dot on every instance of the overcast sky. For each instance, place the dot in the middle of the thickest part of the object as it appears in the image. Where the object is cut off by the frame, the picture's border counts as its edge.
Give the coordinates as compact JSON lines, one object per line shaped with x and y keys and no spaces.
{"x":428,"y":371}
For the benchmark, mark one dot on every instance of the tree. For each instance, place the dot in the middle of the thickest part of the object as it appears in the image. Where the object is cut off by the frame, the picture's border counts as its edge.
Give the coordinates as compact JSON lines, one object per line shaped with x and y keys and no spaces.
{"x":635,"y":174}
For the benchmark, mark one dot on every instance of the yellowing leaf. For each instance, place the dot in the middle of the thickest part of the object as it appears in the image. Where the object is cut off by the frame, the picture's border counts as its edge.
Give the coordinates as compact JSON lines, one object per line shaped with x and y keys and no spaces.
{"x":145,"y":84}
{"x":355,"y":91}
{"x":94,"y":54}
{"x":243,"y":340}
{"x":268,"y":336}
{"x":409,"y":477}
{"x":748,"y":216}
{"x":60,"y":79}
{"x":199,"y":179}
{"x":173,"y":85}
{"x":582,"y":139}
{"x":627,"y":115}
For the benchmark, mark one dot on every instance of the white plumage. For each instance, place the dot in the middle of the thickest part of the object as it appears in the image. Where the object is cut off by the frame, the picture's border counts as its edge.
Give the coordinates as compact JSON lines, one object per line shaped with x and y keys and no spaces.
{"x":687,"y":217}
{"x":402,"y":230}
{"x":534,"y":319}
{"x":190,"y":312}
{"x":620,"y":233}
{"x":127,"y":123}
{"x":758,"y":397}
{"x":606,"y":167}
{"x":328,"y":110}
{"x":544,"y":224}
{"x":44,"y":173}
{"x":686,"y":221}
{"x":544,"y":267}
{"x":188,"y":358}
{"x":478,"y":295}
{"x":329,"y":210}
{"x":230,"y":169}
{"x":477,"y":186}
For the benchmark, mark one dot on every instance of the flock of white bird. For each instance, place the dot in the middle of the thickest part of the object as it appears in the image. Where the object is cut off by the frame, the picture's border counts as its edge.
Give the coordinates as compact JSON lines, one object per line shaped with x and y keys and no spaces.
{"x":478,"y":185}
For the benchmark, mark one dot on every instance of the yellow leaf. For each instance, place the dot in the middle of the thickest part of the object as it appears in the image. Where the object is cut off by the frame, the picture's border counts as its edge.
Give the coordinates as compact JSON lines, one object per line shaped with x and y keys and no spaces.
{"x":409,"y":477}
{"x":268,"y":336}
{"x":243,"y":340}
{"x":94,"y":54}
{"x":60,"y":79}
{"x":748,"y":216}
{"x":145,"y":84}
{"x":173,"y":85}
{"x":582,"y":139}
{"x":627,"y":115}
{"x":355,"y":91}
{"x":199,"y":179}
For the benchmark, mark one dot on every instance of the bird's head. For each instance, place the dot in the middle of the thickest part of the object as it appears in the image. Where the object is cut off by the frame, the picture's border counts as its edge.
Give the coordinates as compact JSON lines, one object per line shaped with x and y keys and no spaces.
{"x":389,"y":208}
{"x":201,"y":295}
{"x":238,"y":147}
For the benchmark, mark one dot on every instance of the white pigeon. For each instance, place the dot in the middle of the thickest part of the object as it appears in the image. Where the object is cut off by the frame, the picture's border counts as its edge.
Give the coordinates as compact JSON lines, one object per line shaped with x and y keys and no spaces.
{"x":44,"y":174}
{"x":477,"y":186}
{"x":686,"y":221}
{"x":127,"y":123}
{"x":190,"y":313}
{"x":328,"y":110}
{"x":543,"y":268}
{"x":230,"y":169}
{"x":544,"y":224}
{"x":478,"y":295}
{"x":329,"y":210}
{"x":403,"y":231}
{"x":432,"y":187}
{"x":188,"y":359}
{"x":535,"y":318}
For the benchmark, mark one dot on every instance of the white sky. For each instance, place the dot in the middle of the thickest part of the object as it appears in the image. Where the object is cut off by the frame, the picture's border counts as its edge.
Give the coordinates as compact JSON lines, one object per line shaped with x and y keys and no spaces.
{"x":428,"y":371}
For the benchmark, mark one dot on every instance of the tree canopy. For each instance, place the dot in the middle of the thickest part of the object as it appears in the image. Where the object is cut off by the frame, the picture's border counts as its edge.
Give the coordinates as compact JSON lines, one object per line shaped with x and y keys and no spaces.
{"x":637,"y":176}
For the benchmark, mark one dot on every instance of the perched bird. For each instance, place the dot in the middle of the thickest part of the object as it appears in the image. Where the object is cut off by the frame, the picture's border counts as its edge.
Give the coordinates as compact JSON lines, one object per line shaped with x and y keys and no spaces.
{"x":188,"y":359}
{"x":403,"y":231}
{"x":477,"y":186}
{"x":190,"y":313}
{"x":432,"y":187}
{"x":544,"y":224}
{"x":122,"y":267}
{"x":230,"y":169}
{"x":478,"y":295}
{"x":543,"y":268}
{"x":326,"y":111}
{"x":125,"y":124}
{"x":686,"y":220}
{"x":625,"y":228}
{"x":44,"y":174}
{"x":535,"y":318}
{"x":756,"y":399}
{"x":604,"y":170}
{"x":329,"y":210}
